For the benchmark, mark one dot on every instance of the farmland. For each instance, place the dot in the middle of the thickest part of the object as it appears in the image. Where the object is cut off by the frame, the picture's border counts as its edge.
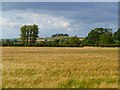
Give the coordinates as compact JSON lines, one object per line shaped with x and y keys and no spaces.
{"x":59,"y":67}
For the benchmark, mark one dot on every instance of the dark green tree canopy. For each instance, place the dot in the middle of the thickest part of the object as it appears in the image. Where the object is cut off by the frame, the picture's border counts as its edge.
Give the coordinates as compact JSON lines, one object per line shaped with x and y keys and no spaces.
{"x":94,"y":35}
{"x":106,"y":38}
{"x":29,"y":33}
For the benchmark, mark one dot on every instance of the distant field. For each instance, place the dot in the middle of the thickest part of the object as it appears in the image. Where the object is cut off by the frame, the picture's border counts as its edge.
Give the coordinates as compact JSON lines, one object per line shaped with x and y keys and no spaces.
{"x":49,"y":67}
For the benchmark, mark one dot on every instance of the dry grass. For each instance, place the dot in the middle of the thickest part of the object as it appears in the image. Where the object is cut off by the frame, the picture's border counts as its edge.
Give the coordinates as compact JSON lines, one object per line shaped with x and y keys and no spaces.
{"x":48,"y":67}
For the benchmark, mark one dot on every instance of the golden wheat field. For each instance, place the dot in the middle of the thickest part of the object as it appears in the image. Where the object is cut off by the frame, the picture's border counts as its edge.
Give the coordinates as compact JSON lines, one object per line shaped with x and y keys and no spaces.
{"x":59,"y":67}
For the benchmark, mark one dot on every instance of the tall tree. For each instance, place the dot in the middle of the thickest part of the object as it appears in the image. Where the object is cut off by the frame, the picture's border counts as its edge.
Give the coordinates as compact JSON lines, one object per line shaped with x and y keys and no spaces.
{"x":23,"y":33}
{"x":30,"y":33}
{"x":27,"y":33}
{"x":34,"y":33}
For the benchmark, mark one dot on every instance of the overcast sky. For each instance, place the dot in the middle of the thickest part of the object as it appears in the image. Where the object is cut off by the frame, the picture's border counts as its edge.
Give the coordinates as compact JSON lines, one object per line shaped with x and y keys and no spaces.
{"x":76,"y":18}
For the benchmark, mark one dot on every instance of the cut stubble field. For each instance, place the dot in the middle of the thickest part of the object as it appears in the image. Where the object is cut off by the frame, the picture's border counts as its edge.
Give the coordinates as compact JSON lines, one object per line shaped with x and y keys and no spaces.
{"x":59,"y":67}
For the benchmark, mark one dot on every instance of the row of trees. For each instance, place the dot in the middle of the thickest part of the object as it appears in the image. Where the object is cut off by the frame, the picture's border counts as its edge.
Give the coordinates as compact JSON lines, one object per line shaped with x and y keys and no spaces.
{"x":96,"y":37}
{"x":70,"y":42}
{"x":56,"y":35}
